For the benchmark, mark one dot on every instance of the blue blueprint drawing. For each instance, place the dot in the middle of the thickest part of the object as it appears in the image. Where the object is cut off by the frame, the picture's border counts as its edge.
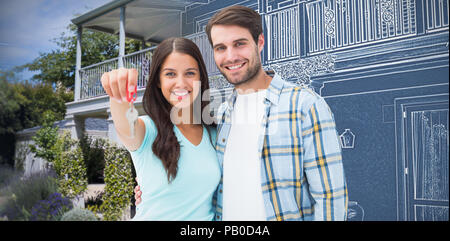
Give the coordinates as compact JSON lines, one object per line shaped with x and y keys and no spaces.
{"x":383,"y":68}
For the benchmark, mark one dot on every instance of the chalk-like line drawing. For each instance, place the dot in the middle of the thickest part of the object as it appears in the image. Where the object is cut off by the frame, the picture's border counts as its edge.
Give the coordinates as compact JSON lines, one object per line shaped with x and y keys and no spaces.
{"x":347,"y":139}
{"x":355,"y":212}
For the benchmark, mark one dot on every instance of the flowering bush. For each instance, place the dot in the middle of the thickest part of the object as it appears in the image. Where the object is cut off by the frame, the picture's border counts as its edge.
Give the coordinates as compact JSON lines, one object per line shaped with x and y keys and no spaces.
{"x":22,"y":193}
{"x":50,"y":209}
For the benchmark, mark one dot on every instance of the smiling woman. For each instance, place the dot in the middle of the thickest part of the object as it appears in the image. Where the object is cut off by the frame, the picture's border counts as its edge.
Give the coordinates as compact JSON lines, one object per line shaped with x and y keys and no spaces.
{"x":178,"y":67}
{"x":176,"y":163}
{"x":177,"y":79}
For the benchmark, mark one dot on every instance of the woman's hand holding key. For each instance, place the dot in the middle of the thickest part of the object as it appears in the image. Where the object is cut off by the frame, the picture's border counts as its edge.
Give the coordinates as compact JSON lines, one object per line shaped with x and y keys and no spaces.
{"x":116,"y":83}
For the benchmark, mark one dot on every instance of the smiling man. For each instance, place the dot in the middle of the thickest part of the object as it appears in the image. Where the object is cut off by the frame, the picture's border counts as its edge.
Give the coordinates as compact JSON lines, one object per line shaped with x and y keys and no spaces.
{"x":241,"y":65}
{"x":282,"y":161}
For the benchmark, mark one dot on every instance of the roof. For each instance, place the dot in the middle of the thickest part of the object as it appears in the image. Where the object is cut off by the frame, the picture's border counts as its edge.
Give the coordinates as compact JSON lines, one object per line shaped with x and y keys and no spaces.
{"x":149,"y":20}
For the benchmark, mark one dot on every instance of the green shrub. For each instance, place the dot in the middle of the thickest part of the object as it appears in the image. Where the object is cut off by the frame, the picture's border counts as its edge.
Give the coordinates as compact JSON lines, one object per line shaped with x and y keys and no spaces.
{"x":119,"y":182}
{"x":79,"y":214}
{"x":63,"y":154}
{"x":69,"y":166}
{"x":94,"y":158}
{"x":45,"y":139}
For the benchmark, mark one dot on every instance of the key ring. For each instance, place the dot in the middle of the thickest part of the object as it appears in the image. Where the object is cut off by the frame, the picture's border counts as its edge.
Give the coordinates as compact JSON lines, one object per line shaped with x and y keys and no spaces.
{"x":131,"y":96}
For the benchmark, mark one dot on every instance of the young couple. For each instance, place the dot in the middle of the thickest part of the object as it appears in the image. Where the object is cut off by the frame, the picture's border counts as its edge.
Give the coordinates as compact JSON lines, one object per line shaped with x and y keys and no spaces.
{"x":286,"y":167}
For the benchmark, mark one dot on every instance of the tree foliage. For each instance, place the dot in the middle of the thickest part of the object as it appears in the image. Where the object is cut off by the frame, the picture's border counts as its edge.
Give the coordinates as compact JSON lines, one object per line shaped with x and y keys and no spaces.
{"x":46,"y":139}
{"x":22,"y":105}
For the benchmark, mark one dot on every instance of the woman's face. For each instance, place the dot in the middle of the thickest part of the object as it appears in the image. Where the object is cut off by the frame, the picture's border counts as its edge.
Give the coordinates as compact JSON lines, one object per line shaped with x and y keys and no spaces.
{"x":179,"y":79}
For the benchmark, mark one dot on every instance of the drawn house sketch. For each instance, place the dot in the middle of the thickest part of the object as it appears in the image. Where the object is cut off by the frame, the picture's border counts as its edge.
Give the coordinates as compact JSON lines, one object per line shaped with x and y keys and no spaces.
{"x":381,"y":65}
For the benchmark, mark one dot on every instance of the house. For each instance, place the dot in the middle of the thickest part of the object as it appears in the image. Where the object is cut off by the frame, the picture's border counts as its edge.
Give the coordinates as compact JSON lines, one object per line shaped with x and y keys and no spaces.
{"x":381,"y":65}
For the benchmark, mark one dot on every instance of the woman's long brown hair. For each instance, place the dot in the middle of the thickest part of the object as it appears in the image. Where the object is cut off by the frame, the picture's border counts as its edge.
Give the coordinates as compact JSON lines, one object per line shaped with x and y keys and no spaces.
{"x":166,"y":146}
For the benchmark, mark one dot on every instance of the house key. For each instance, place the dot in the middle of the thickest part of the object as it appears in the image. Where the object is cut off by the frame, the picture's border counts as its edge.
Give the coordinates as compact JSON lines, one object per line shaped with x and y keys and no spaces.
{"x":132,"y":114}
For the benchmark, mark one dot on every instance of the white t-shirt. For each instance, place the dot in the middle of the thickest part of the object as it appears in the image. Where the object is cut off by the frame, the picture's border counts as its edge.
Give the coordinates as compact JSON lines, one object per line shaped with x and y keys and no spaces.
{"x":242,"y":192}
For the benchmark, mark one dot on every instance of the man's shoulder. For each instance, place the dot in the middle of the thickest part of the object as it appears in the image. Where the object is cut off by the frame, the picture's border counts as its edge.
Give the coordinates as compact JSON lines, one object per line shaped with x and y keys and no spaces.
{"x":306,"y":91}
{"x":302,"y":97}
{"x":221,"y":108}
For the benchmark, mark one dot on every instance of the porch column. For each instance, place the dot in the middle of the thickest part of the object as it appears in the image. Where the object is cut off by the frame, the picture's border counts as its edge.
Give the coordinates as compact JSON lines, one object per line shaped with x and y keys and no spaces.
{"x":112,"y":134}
{"x":76,"y":126}
{"x":78,"y":65}
{"x":121,"y":36}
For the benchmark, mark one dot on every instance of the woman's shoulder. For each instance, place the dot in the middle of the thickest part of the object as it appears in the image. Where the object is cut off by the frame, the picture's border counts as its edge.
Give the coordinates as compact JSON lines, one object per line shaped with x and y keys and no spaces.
{"x":149,"y":123}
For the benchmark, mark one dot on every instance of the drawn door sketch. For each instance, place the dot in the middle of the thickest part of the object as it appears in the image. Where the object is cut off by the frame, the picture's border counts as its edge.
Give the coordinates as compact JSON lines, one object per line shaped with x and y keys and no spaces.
{"x":427,"y":147}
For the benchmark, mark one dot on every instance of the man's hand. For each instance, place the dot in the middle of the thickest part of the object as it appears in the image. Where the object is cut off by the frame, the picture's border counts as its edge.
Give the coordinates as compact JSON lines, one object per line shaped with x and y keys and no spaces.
{"x":137,"y":194}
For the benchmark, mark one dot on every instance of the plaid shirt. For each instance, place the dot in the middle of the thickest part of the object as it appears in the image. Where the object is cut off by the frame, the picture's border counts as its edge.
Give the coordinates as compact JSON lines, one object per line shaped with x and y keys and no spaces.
{"x":302,"y":175}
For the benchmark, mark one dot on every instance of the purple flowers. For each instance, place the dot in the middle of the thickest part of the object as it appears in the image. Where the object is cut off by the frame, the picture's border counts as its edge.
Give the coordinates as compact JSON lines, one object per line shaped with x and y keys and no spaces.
{"x":50,"y":209}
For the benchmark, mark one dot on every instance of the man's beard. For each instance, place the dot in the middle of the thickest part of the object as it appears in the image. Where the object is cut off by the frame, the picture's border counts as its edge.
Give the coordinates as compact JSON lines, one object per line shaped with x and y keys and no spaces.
{"x":249,"y":75}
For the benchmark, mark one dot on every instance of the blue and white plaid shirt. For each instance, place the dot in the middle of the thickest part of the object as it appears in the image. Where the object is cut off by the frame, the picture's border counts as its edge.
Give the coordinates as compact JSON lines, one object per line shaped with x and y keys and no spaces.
{"x":302,"y":175}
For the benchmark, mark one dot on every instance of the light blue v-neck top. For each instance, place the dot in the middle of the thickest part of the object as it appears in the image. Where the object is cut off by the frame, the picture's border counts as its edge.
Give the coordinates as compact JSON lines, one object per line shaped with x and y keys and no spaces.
{"x":189,"y":195}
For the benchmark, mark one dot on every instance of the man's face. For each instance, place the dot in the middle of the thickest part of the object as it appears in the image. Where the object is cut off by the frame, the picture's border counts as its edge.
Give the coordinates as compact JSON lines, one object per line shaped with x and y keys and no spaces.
{"x":236,"y":54}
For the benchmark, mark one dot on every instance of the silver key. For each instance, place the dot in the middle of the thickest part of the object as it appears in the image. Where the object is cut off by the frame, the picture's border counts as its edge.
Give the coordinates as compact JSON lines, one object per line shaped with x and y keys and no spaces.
{"x":132,"y":116}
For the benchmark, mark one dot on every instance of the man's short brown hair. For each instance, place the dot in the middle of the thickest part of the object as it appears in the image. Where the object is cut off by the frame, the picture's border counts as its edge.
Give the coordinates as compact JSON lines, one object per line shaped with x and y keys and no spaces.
{"x":237,"y":15}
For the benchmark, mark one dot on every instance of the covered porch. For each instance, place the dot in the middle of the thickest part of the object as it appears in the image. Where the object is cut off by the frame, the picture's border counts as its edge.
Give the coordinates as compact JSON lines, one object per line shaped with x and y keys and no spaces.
{"x":143,"y":20}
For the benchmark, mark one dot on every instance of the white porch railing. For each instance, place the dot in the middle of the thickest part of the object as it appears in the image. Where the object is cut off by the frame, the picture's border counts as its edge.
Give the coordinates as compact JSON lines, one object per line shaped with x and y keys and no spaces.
{"x":141,"y":61}
{"x":438,"y":14}
{"x":90,"y":78}
{"x":201,"y":39}
{"x":337,"y":24}
{"x":283,"y":34}
{"x":91,"y":75}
